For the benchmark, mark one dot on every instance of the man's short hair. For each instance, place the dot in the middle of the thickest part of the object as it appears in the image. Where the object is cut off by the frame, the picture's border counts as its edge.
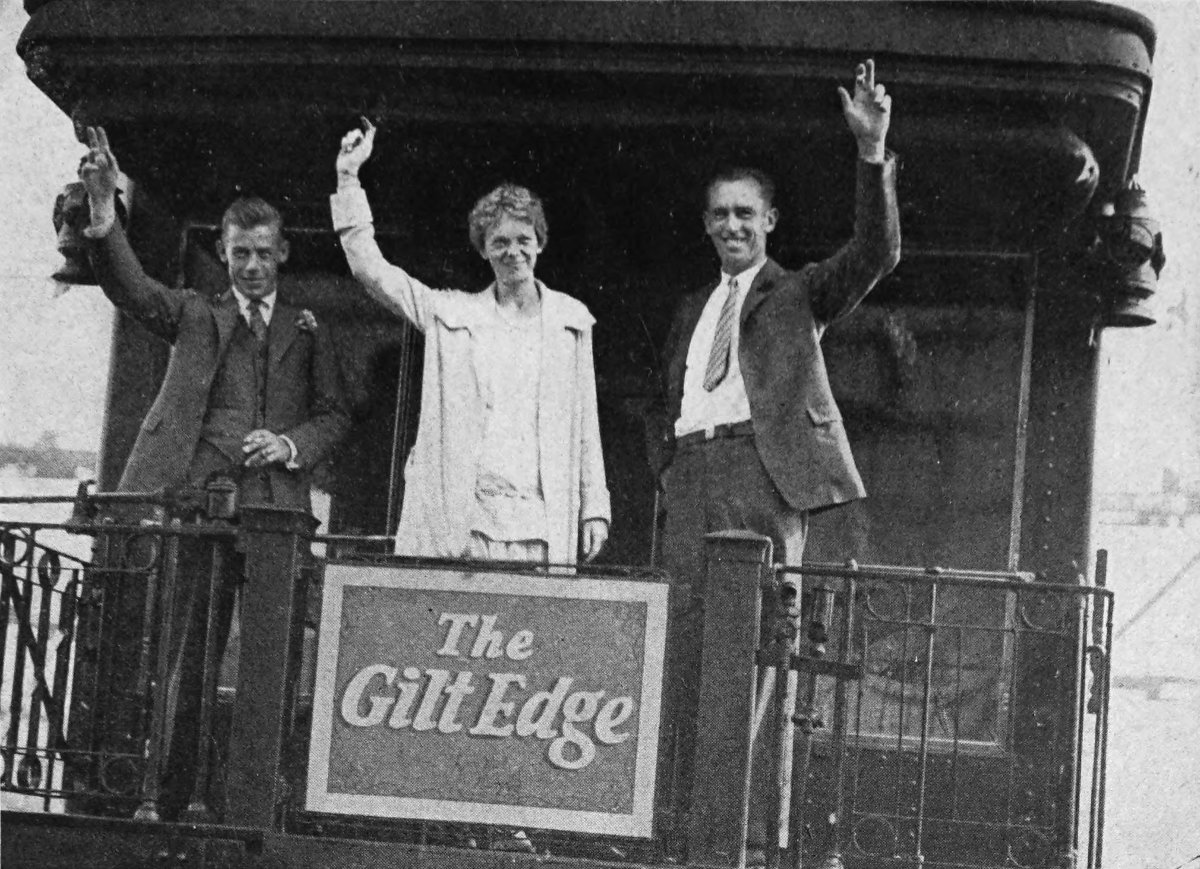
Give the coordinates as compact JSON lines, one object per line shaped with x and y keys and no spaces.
{"x":507,"y":200}
{"x":766,"y":184}
{"x":248,"y":212}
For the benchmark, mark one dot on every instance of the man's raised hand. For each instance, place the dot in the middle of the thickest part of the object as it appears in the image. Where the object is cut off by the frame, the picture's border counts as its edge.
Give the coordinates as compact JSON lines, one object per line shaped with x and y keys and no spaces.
{"x":868,"y":113}
{"x":356,"y":148}
{"x":99,"y":174}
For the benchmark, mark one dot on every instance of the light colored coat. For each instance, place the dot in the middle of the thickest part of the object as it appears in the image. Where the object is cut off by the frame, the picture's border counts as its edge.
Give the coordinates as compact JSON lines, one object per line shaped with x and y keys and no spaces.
{"x":440,"y":471}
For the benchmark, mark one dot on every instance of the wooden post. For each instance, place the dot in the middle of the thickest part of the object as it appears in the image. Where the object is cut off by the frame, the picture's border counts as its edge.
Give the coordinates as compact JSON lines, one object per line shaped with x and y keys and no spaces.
{"x":274,"y":541}
{"x":737,"y":563}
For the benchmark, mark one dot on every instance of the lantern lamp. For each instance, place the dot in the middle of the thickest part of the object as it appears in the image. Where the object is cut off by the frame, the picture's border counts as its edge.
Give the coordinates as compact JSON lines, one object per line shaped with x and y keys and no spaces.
{"x":1131,"y":258}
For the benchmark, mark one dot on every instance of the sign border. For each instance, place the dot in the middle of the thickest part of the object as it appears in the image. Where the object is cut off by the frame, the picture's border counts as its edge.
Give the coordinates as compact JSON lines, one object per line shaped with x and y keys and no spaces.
{"x":636,"y":824}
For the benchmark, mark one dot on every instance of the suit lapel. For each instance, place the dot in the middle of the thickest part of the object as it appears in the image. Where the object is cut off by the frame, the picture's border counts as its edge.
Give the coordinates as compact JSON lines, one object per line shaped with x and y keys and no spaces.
{"x":764,"y":282}
{"x":225,"y":315}
{"x":282,"y":333}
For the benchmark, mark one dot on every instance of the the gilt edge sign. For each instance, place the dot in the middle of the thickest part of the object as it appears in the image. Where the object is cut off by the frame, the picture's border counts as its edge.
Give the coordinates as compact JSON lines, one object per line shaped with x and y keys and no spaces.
{"x":490,"y":697}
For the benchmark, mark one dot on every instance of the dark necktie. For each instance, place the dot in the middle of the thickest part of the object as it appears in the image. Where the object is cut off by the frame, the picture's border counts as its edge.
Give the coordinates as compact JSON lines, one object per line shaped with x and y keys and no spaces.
{"x":718,"y":359}
{"x":258,"y":323}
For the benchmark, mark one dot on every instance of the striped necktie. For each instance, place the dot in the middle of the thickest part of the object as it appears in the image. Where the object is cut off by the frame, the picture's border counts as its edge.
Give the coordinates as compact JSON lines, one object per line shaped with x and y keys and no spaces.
{"x":718,"y":359}
{"x":255,"y":319}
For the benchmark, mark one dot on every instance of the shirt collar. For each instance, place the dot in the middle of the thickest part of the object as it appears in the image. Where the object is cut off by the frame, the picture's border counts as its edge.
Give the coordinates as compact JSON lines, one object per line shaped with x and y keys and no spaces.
{"x":268,"y":304}
{"x":744,"y":278}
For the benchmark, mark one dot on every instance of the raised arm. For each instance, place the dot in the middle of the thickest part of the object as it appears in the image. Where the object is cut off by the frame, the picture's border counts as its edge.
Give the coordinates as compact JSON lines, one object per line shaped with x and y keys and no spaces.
{"x":117,"y":268}
{"x":840,"y":282}
{"x":388,"y":284}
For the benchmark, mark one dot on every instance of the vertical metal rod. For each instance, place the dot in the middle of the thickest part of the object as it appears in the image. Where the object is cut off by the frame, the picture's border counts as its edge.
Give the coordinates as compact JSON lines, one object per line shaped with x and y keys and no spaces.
{"x":902,"y":704}
{"x":63,"y":664}
{"x":44,"y":570}
{"x":7,"y":551}
{"x":958,"y":692}
{"x":860,"y":688}
{"x":1102,"y":639}
{"x":927,"y":689}
{"x":96,"y":592}
{"x":197,"y":809}
{"x":156,"y":743}
{"x":1081,"y":657}
{"x":1013,"y":703}
{"x":18,"y":675}
{"x":654,"y":534}
{"x":1021,"y":435}
{"x":800,"y":780}
{"x":833,"y":856}
{"x":1106,"y":687}
{"x":150,"y":627}
{"x":783,"y":647}
{"x":815,"y":639}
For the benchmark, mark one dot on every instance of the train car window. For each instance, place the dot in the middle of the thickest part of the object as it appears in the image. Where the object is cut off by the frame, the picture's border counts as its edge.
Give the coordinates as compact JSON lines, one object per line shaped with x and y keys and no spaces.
{"x":929,"y":378}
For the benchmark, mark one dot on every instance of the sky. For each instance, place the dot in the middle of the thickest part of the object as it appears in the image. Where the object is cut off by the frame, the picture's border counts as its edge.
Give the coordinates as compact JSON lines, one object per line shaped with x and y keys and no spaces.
{"x":53,"y":372}
{"x":53,"y":351}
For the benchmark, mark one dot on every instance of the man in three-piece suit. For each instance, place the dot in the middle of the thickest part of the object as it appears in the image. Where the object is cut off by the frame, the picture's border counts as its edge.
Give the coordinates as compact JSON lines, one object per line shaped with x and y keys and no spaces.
{"x":252,"y":392}
{"x":756,"y":440}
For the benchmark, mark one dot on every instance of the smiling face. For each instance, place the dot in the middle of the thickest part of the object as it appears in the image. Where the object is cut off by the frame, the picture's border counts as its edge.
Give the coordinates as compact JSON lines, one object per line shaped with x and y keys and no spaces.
{"x":511,"y":248}
{"x":738,"y":219}
{"x":253,"y":257}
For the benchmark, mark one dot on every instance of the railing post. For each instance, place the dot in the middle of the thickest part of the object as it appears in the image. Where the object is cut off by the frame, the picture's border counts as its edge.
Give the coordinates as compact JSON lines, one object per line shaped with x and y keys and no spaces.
{"x":737,"y":564}
{"x":274,"y":542}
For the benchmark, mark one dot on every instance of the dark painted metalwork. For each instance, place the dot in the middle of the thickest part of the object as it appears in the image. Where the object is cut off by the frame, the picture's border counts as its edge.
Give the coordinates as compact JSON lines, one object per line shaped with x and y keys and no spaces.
{"x":264,"y":711}
{"x":148,"y":810}
{"x":983,"y":745}
{"x":950,"y":697}
{"x":716,"y":830}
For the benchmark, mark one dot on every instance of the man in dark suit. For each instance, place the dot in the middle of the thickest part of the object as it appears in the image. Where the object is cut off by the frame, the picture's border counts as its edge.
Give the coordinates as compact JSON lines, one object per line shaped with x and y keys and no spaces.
{"x":756,"y":440}
{"x":252,"y":392}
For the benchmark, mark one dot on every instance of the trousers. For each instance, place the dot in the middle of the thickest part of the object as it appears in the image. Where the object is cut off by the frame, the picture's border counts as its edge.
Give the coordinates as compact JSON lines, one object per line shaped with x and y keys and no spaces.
{"x":716,"y":485}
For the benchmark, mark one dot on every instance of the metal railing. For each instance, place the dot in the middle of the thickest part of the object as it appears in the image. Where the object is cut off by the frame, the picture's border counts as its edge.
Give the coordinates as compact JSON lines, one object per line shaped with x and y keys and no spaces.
{"x":942,"y":717}
{"x":939,"y":716}
{"x":43,"y":612}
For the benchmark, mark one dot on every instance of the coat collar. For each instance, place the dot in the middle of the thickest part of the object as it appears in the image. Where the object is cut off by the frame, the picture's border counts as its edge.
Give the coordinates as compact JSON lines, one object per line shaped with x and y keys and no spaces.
{"x":225,"y":313}
{"x":470,"y":310}
{"x":282,"y":333}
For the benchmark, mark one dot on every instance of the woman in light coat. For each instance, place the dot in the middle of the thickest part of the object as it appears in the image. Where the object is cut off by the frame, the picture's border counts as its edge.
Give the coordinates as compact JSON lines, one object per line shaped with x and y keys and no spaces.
{"x":507,"y":462}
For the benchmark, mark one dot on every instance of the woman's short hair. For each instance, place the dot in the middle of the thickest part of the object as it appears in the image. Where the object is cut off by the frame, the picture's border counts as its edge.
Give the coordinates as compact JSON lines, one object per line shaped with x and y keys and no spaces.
{"x":507,"y":200}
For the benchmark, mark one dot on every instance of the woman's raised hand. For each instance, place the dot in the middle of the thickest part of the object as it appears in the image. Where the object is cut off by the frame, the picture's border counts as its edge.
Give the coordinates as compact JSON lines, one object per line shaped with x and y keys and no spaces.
{"x":356,"y":148}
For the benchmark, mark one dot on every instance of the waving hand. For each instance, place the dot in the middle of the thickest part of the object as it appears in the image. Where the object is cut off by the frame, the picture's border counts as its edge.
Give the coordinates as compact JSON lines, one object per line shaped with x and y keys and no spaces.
{"x":868,"y":113}
{"x":99,"y":174}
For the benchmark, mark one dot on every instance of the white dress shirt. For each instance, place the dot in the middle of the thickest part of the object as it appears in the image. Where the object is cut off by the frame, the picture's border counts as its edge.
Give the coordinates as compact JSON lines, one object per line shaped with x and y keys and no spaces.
{"x":727,"y":403}
{"x":268,"y":305}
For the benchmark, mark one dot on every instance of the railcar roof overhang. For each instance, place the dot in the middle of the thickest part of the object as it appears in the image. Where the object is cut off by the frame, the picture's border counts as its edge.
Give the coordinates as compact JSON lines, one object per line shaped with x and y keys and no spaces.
{"x":993,"y":100}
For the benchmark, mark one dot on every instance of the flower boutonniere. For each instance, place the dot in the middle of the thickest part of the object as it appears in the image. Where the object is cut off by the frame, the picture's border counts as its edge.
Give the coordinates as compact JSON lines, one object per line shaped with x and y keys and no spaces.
{"x":306,"y":322}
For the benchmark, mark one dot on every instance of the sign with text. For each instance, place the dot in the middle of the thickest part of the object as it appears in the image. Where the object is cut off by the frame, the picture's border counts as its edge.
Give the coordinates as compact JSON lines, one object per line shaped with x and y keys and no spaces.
{"x":488,"y":697}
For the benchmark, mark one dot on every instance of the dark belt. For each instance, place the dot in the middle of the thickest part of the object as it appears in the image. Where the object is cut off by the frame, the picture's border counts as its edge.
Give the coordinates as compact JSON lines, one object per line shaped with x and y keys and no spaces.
{"x":725,"y":430}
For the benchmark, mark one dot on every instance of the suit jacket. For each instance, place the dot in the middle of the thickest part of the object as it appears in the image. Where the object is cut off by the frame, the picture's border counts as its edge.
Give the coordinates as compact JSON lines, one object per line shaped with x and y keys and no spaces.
{"x":303,"y":398}
{"x":797,"y":425}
